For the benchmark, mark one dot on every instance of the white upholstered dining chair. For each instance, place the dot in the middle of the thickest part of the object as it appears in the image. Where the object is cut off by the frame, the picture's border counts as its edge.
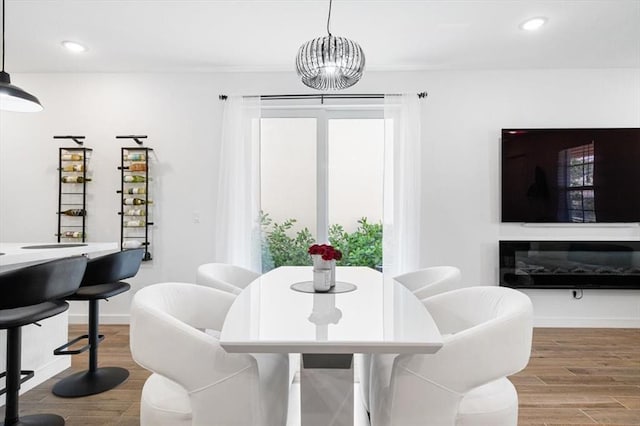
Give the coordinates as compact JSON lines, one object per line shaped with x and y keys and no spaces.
{"x":233,"y":279}
{"x":487,"y":336}
{"x":195,"y":382}
{"x":223,"y":276}
{"x":423,"y":283}
{"x":430,"y":281}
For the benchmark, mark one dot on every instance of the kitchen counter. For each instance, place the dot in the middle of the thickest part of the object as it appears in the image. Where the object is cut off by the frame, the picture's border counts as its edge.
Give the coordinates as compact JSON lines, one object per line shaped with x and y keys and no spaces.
{"x":21,"y":254}
{"x":38,"y":343}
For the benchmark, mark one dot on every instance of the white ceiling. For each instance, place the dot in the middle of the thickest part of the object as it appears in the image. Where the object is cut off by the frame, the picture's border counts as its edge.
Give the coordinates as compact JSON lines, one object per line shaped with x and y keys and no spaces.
{"x":259,"y":35}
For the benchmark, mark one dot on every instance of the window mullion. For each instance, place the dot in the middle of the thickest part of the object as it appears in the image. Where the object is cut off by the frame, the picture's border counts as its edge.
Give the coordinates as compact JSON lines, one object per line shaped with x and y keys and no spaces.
{"x":322,"y":170}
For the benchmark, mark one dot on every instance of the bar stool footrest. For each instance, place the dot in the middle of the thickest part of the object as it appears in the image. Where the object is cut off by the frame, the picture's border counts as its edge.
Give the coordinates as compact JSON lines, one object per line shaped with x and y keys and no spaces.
{"x":61,"y":349}
{"x":28,"y":374}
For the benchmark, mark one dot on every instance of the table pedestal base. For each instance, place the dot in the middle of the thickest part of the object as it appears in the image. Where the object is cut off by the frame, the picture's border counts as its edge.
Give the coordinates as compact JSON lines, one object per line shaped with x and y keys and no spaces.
{"x":326,"y":389}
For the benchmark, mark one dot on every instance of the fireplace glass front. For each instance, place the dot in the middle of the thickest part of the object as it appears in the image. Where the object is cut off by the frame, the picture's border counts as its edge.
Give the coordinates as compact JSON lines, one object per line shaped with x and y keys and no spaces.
{"x":570,"y":264}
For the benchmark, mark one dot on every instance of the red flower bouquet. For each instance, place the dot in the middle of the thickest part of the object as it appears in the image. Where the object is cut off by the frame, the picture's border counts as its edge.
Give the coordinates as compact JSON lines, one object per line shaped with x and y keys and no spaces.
{"x":326,"y":251}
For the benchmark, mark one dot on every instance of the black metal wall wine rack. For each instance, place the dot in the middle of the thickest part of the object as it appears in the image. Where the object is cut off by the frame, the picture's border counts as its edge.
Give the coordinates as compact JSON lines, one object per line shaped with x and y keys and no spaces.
{"x":136,"y":205}
{"x":73,"y":180}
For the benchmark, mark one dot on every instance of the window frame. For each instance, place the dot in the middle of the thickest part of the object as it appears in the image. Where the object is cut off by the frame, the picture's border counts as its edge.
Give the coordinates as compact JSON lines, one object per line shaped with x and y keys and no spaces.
{"x":323,"y":114}
{"x":582,"y":159}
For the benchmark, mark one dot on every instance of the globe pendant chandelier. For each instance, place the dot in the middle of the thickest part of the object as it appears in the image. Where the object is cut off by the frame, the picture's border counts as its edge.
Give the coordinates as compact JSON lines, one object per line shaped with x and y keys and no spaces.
{"x":330,"y":62}
{"x":13,"y":98}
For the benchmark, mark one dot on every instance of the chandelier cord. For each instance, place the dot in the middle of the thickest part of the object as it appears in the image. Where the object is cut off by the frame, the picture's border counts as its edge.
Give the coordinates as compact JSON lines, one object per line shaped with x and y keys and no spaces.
{"x":328,"y":18}
{"x":3,"y":25}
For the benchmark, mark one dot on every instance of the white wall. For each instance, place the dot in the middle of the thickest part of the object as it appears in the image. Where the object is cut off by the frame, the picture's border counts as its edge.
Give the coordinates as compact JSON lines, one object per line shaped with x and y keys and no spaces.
{"x":465,"y":112}
{"x":181,"y":114}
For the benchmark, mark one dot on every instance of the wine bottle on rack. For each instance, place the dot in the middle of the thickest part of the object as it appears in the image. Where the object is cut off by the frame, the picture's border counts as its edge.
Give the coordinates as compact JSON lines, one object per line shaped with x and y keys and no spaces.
{"x":132,"y":244}
{"x":134,"y":179}
{"x":135,"y":212}
{"x":135,"y":223}
{"x":71,"y":157}
{"x":74,"y":212}
{"x":70,"y":234}
{"x":138,"y":167}
{"x":134,"y":157}
{"x":140,"y":190}
{"x":135,"y":201}
{"x":73,"y":168}
{"x":75,"y":179}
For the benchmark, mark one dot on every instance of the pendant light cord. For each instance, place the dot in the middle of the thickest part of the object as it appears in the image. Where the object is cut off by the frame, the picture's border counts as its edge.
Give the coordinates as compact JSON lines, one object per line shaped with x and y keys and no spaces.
{"x":3,"y":14}
{"x":328,"y":18}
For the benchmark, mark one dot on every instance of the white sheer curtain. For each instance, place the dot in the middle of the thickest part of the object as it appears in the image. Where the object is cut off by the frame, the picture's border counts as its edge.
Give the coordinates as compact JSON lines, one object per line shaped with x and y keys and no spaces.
{"x":402,"y":184}
{"x":237,"y":227}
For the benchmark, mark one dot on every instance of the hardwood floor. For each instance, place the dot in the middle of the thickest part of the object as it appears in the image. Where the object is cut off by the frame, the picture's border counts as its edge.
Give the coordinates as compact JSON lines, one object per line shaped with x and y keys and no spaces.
{"x":581,"y":376}
{"x":119,"y":406}
{"x":575,"y":377}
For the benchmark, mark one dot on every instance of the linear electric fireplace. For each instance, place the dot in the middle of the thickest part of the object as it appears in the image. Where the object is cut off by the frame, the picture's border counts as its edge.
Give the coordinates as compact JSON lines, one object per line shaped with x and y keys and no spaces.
{"x":570,"y":264}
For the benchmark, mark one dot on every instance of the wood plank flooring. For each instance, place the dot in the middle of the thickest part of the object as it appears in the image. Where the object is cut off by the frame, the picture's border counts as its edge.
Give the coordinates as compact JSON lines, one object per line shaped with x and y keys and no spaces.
{"x":581,"y":376}
{"x":117,"y":407}
{"x":575,"y":377}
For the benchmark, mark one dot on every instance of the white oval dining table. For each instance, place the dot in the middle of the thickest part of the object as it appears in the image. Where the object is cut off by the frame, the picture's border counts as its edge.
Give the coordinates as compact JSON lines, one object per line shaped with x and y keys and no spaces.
{"x":379,"y":316}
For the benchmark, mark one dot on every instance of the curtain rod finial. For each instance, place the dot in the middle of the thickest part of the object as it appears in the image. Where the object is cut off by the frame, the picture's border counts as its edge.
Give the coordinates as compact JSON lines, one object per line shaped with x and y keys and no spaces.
{"x":422,"y":95}
{"x":222,"y":97}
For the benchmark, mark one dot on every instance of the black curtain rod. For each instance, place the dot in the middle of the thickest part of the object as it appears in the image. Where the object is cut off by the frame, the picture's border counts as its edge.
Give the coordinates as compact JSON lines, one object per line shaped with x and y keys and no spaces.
{"x":322,"y":97}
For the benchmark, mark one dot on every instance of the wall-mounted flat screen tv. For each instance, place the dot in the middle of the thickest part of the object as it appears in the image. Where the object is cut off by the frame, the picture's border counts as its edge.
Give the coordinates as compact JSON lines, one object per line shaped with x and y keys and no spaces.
{"x":571,"y":175}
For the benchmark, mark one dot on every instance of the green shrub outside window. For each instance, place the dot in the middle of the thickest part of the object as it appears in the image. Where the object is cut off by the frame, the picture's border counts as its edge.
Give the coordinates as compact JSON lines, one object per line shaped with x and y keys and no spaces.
{"x":282,"y":246}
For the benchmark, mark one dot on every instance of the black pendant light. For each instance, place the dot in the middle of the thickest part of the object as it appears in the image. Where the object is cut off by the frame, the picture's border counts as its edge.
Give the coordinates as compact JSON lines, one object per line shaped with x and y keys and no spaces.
{"x":13,"y":98}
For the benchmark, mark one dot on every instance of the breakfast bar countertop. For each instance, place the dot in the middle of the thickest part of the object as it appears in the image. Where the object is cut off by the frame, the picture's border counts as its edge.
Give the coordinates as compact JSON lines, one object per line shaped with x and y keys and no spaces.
{"x":17,"y":254}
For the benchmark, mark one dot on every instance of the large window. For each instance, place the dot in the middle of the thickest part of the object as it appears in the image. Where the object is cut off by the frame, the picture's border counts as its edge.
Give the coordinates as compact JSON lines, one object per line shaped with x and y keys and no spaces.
{"x":321,"y":180}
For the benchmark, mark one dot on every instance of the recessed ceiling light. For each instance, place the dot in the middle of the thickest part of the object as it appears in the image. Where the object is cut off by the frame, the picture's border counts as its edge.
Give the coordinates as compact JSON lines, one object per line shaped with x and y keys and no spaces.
{"x":533,"y":23}
{"x":74,"y":47}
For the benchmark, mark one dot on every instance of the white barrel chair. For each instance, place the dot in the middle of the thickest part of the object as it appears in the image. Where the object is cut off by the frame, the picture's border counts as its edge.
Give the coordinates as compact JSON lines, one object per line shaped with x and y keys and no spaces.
{"x":423,"y":283}
{"x":174,"y":334}
{"x":223,"y":276}
{"x":233,"y":279}
{"x":430,"y":281}
{"x":487,"y":336}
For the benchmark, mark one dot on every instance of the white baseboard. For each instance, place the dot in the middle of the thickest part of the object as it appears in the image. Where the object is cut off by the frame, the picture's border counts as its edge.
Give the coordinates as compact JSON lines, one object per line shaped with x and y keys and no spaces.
{"x":104,"y":319}
{"x":586,"y":322}
{"x":58,"y":364}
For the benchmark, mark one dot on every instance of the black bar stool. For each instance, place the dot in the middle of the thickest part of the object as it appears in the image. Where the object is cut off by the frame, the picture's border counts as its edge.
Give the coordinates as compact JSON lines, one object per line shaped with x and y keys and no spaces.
{"x":101,"y":281}
{"x":28,"y":295}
